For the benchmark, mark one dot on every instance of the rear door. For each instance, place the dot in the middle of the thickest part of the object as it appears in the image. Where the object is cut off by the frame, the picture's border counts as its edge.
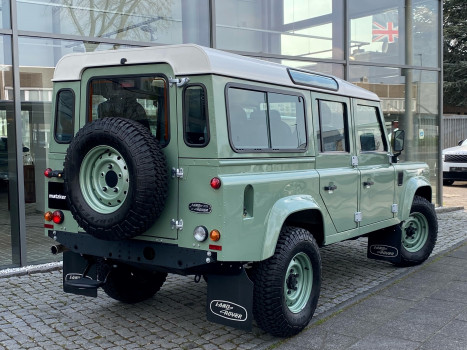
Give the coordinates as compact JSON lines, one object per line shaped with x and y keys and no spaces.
{"x":144,"y":94}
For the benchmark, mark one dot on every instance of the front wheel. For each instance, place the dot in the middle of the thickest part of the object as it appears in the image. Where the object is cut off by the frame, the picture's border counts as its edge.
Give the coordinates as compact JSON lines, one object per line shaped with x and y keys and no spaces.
{"x":419,"y":233}
{"x":287,"y":285}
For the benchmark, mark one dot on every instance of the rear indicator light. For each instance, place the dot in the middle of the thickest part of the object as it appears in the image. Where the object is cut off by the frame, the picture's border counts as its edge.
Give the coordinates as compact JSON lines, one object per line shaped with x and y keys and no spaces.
{"x":58,"y":216}
{"x":48,"y":216}
{"x":216,"y":183}
{"x":48,"y":172}
{"x":215,"y":235}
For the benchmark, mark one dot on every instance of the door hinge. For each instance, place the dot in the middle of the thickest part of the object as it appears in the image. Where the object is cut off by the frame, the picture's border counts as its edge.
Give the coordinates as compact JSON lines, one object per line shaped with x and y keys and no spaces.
{"x":180,"y":82}
{"x":177,"y":224}
{"x":177,"y":173}
{"x":354,"y":161}
{"x":394,"y":208}
{"x":358,"y":216}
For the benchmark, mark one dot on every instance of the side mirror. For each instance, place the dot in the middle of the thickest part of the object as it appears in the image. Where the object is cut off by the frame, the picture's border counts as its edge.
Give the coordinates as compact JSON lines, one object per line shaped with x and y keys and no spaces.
{"x":397,"y":144}
{"x":398,"y":140}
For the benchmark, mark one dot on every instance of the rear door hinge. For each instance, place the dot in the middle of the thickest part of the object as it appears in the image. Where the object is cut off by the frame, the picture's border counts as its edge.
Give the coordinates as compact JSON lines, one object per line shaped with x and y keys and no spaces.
{"x":177,"y":173}
{"x":177,"y":224}
{"x":180,"y":82}
{"x":354,"y":161}
{"x":358,"y":216}
{"x":394,"y":208}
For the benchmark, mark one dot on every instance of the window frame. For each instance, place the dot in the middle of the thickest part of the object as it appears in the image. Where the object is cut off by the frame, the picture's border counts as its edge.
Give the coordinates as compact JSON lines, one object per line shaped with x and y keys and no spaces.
{"x":346,"y":127}
{"x":107,"y":76}
{"x":265,"y":90}
{"x":56,"y":114}
{"x":185,"y":119}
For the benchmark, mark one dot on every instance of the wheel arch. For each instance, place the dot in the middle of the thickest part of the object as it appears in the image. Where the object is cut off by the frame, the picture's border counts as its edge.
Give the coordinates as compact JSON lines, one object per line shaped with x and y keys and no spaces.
{"x":300,"y":211}
{"x":416,"y":186}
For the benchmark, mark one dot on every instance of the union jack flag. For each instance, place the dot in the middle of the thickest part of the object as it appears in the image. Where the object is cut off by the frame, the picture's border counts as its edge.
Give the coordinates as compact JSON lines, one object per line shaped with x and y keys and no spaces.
{"x":386,"y":33}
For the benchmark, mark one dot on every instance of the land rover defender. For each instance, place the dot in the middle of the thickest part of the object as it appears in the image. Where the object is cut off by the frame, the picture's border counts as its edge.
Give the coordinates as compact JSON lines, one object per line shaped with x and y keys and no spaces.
{"x":188,"y":160}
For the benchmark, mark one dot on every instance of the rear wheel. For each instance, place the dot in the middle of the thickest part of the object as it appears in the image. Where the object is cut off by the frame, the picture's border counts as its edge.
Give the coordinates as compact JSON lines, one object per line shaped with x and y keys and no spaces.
{"x":419,"y":233}
{"x":129,"y":284}
{"x":448,"y":182}
{"x":287,"y":285}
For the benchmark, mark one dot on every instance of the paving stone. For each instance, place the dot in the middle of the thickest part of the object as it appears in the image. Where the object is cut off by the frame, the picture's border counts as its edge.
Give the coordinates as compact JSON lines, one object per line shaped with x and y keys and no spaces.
{"x":175,"y":317}
{"x":380,"y":342}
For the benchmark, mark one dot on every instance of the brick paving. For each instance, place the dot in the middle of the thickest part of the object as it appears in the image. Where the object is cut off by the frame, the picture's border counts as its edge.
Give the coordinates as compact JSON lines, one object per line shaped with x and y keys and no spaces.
{"x":35,"y":313}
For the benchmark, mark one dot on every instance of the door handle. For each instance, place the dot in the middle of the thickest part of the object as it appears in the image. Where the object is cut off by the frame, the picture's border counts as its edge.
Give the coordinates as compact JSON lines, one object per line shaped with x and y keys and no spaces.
{"x":368,"y":183}
{"x":330,"y":188}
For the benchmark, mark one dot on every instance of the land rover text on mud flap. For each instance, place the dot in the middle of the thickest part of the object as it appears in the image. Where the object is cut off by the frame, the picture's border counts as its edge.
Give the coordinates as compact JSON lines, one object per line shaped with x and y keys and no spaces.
{"x":188,"y":160}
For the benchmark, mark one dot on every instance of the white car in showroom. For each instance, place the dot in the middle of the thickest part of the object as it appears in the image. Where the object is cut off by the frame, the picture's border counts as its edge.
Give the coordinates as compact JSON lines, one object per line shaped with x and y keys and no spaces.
{"x":455,"y":163}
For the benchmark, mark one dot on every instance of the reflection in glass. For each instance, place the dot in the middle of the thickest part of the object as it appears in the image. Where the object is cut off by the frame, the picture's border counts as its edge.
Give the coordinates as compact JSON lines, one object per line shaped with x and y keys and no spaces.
{"x":37,"y":59}
{"x":311,"y":28}
{"x":425,"y":33}
{"x":376,"y":31}
{"x":9,"y":239}
{"x":5,"y":14}
{"x":161,"y":21}
{"x":420,"y":122}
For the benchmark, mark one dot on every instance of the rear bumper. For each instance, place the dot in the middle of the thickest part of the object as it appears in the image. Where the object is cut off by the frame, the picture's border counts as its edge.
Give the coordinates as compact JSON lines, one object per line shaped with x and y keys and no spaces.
{"x":149,"y":255}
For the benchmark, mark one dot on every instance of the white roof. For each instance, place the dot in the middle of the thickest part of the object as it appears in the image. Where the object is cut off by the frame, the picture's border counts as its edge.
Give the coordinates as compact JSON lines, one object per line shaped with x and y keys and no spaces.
{"x":190,"y":59}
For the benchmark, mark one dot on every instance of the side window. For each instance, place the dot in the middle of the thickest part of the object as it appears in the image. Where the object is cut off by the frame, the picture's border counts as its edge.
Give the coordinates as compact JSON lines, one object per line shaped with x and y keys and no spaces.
{"x":195,"y":124}
{"x":140,"y":98}
{"x":64,"y":112}
{"x":287,"y":121}
{"x":266,"y":121}
{"x":369,"y":130}
{"x":333,"y":134}
{"x":248,"y":119}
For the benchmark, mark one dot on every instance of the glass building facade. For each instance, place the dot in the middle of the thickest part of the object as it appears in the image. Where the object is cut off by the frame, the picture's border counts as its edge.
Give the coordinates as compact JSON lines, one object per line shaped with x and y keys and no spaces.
{"x":390,"y":47}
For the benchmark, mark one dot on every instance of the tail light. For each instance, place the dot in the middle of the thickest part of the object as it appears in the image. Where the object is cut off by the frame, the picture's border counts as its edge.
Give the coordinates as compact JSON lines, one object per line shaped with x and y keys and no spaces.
{"x":216,"y":183}
{"x":58,"y":216}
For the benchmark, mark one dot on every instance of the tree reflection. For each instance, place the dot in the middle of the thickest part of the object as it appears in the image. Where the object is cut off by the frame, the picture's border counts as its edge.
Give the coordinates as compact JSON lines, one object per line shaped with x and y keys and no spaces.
{"x":137,"y":20}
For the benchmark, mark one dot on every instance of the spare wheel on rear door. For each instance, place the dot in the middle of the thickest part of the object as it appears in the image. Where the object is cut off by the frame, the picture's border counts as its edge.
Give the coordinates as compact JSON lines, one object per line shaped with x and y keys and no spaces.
{"x":116,"y":178}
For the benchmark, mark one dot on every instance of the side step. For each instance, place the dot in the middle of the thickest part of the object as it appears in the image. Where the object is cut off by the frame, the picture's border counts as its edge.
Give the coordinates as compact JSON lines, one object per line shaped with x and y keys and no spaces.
{"x":80,"y":275}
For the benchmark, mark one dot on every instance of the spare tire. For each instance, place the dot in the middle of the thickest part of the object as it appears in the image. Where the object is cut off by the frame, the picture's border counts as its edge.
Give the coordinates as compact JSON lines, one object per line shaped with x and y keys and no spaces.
{"x":116,"y":178}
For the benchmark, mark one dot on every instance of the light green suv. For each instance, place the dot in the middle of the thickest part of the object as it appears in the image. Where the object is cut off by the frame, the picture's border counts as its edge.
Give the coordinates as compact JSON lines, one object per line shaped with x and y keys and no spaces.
{"x":188,"y":160}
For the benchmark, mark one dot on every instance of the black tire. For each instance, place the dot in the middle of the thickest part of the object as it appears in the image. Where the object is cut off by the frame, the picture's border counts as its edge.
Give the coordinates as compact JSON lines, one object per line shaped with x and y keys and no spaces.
{"x":105,"y":203}
{"x":272,"y":277}
{"x":419,"y":233}
{"x":448,"y":182}
{"x":129,"y":284}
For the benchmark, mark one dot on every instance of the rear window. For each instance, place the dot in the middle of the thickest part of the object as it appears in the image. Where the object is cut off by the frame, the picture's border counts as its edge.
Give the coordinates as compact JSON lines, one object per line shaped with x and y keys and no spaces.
{"x":143,"y":98}
{"x":64,"y":116}
{"x":265,"y":121}
{"x":195,"y":124}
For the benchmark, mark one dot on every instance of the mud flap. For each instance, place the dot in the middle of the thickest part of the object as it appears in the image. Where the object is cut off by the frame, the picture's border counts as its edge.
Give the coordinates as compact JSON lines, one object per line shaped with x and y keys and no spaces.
{"x":385,"y":244}
{"x":73,"y":267}
{"x":230,"y":300}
